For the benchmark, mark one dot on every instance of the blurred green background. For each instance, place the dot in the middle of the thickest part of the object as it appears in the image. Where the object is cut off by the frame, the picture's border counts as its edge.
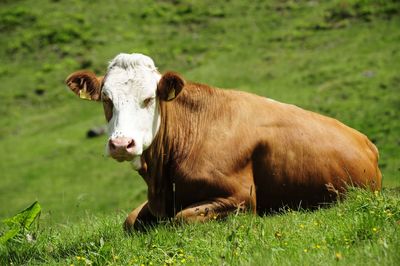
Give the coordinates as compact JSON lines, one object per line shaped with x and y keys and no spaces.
{"x":339,"y":58}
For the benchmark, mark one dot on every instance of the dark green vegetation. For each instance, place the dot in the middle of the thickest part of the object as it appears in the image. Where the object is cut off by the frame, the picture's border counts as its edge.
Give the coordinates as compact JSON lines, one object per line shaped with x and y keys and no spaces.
{"x":340,"y":58}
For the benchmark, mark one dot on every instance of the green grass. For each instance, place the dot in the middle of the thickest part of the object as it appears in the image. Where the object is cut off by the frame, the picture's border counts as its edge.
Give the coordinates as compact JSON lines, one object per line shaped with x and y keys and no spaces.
{"x":340,"y":58}
{"x":363,"y":230}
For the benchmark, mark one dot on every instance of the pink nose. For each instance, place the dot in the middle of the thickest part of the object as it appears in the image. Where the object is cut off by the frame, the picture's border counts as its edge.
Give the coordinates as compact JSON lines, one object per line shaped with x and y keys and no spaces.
{"x":121,"y":148}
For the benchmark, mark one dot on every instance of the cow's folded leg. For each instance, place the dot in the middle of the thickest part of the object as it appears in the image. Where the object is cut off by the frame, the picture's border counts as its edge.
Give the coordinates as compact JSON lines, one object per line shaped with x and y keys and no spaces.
{"x":139,"y":219}
{"x":213,"y":209}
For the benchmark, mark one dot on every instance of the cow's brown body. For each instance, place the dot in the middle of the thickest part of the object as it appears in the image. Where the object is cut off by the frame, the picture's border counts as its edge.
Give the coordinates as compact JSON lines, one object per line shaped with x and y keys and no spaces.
{"x":206,"y":152}
{"x":220,"y":150}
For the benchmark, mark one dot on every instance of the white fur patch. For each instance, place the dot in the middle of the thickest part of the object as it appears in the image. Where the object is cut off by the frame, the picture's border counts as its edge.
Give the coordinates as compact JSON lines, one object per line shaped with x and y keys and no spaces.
{"x":136,"y":163}
{"x":130,"y":80}
{"x":132,"y":61}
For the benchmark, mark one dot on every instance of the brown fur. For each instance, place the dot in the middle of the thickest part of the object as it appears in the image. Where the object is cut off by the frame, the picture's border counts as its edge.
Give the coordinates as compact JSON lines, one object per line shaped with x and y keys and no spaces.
{"x":220,"y":151}
{"x":77,"y":80}
{"x":169,"y":86}
{"x":229,"y":150}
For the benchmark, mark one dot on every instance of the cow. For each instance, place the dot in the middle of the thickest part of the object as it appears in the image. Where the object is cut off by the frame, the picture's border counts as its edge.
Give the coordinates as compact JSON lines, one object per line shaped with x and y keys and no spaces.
{"x":206,"y":152}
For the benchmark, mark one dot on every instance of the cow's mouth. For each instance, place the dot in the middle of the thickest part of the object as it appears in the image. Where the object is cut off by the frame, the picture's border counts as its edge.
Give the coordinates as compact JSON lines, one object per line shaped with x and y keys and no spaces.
{"x":123,"y":158}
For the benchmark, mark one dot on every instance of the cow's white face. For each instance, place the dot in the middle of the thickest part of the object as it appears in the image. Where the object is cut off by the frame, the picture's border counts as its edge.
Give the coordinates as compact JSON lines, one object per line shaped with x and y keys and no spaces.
{"x":130,"y":92}
{"x":131,"y":106}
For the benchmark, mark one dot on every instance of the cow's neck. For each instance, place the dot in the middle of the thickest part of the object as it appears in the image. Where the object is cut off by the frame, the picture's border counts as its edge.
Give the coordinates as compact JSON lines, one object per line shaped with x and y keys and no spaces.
{"x":181,"y":125}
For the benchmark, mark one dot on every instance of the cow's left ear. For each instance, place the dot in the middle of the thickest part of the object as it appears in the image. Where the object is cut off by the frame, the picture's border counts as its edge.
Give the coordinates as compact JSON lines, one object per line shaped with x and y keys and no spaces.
{"x":169,"y":86}
{"x":85,"y":84}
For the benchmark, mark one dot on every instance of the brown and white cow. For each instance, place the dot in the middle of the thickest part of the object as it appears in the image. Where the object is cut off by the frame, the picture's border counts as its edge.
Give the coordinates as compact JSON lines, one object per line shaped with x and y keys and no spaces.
{"x":206,"y":152}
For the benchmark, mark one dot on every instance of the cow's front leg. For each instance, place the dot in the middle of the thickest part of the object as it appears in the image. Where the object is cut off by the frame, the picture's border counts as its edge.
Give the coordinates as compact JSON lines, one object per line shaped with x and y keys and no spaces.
{"x":139,"y":219}
{"x":214,"y":209}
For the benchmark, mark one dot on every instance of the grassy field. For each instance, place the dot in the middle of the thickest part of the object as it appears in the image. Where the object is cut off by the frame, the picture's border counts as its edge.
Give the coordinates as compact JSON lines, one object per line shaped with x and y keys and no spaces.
{"x":364,"y":230}
{"x":339,"y":58}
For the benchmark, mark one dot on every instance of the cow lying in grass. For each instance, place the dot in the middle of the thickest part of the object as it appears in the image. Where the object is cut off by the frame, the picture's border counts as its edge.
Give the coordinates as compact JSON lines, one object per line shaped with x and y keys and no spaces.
{"x":206,"y":152}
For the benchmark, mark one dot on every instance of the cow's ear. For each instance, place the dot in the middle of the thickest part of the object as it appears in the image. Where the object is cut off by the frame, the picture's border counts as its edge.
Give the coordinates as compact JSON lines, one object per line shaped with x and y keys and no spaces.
{"x":169,"y":86}
{"x":85,"y":84}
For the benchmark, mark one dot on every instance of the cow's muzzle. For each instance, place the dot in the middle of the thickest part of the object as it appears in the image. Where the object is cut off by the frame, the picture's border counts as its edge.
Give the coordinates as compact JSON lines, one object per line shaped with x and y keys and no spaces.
{"x":122,"y":149}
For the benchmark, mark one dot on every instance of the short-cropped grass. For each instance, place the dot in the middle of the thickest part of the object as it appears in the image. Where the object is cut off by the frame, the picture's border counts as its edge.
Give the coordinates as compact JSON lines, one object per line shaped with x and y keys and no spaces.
{"x":364,"y":229}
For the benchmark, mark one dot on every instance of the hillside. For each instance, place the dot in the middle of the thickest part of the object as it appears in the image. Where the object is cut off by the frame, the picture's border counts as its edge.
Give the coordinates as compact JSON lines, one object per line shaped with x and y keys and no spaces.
{"x":340,"y":58}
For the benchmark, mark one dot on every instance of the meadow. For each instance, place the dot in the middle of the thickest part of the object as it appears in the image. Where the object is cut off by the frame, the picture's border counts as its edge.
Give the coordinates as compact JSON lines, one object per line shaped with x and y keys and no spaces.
{"x":340,"y":58}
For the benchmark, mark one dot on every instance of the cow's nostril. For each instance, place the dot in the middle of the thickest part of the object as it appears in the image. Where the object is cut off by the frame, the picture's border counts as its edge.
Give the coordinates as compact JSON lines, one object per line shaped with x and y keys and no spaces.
{"x":131,"y":144}
{"x":111,"y":145}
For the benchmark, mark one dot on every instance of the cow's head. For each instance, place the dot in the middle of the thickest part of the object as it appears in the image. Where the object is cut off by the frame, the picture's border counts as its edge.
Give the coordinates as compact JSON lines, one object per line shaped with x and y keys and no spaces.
{"x":130,"y":92}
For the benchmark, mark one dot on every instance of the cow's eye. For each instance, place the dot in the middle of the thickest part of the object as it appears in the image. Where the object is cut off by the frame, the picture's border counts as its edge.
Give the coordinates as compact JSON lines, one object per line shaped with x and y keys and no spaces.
{"x":148,"y":101}
{"x":108,"y":108}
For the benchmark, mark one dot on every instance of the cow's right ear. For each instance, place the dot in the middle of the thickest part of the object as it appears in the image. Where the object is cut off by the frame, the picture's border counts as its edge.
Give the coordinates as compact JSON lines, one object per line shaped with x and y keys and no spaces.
{"x":169,"y":86}
{"x":85,"y":84}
